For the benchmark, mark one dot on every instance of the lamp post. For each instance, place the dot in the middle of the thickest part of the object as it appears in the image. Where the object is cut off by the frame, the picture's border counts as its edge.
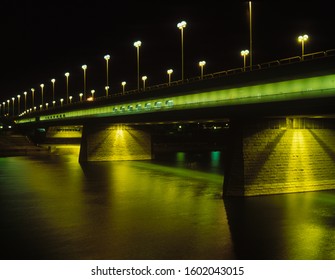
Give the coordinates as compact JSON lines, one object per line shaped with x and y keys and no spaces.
{"x":53,"y":89}
{"x":42,"y":87}
{"x":33,"y":97}
{"x":13,"y":99}
{"x":92,"y":92}
{"x":80,"y":97}
{"x":123,"y":86}
{"x":202,"y":64}
{"x":144,"y":78}
{"x":84,"y":67}
{"x":18,"y":104}
{"x":107,"y":57}
{"x":169,"y":72}
{"x":46,"y":105}
{"x":250,"y":33}
{"x":67,"y":74}
{"x":53,"y":103}
{"x":181,"y":25}
{"x":61,"y":101}
{"x":25,"y":101}
{"x":302,"y":39}
{"x":244,"y":53}
{"x":70,"y":98}
{"x":8,"y":102}
{"x":137,"y":44}
{"x":106,"y":89}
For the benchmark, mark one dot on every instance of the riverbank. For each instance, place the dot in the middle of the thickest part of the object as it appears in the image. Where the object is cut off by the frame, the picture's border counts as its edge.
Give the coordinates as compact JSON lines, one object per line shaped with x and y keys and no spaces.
{"x":12,"y":144}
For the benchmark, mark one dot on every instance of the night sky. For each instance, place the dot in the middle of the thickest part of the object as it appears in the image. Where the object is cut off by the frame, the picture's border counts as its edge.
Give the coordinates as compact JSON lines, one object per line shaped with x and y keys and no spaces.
{"x":41,"y":41}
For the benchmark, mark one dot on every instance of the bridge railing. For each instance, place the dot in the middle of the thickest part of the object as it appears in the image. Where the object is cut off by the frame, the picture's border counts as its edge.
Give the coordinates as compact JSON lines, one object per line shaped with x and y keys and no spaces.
{"x":264,"y":65}
{"x":234,"y":71}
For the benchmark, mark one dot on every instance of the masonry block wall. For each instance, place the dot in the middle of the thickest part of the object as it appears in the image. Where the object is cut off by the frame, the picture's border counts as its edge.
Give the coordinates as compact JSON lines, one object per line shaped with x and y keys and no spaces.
{"x":74,"y":131}
{"x":114,"y":142}
{"x":283,"y":157}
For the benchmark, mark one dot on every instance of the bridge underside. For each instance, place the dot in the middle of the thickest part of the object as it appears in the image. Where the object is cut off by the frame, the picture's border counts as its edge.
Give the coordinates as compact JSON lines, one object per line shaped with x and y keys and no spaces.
{"x":274,"y":156}
{"x":261,"y":156}
{"x":114,"y":142}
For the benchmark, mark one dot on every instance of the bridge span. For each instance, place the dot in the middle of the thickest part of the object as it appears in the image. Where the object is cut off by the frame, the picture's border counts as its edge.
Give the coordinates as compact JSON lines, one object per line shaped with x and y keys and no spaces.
{"x":278,"y":122}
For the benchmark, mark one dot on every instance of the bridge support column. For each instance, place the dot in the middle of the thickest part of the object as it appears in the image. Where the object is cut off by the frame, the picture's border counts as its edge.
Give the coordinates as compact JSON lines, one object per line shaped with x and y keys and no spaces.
{"x":114,"y":142}
{"x":280,"y":156}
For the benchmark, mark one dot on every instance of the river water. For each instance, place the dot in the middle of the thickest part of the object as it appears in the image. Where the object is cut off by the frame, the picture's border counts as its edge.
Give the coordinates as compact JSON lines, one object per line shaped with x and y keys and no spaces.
{"x":52,"y":207}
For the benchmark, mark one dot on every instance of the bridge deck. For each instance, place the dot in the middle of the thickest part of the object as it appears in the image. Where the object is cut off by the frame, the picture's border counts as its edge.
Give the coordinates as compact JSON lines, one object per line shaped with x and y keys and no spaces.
{"x":309,"y":81}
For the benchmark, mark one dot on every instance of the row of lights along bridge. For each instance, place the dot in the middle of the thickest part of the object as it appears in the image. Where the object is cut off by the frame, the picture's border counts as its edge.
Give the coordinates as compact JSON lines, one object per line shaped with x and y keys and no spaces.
{"x":5,"y":108}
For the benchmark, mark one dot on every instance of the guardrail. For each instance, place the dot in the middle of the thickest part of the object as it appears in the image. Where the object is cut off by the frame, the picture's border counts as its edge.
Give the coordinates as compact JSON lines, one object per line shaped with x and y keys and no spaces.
{"x":256,"y":67}
{"x":264,"y":65}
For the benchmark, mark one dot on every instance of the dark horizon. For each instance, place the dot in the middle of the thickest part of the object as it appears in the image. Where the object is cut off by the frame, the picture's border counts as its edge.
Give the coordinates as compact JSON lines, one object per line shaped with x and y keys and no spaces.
{"x":43,"y":41}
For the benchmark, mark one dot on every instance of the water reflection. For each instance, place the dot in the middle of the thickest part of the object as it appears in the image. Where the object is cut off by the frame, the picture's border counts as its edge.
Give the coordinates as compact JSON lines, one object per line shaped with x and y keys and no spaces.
{"x":289,"y":226}
{"x":112,"y":210}
{"x":168,"y":208}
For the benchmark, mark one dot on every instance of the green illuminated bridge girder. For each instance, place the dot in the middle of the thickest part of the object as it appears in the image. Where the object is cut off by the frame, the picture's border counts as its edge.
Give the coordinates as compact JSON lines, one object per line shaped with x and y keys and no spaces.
{"x":265,"y":90}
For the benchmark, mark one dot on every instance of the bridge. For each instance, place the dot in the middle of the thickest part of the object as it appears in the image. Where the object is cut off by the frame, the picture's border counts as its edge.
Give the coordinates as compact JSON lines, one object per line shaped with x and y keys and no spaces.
{"x":277,"y":118}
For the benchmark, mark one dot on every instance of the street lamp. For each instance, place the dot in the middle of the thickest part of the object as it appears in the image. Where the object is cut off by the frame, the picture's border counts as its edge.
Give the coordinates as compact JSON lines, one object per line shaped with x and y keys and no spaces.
{"x":244,"y":53}
{"x":181,"y":25}
{"x":61,"y":101}
{"x":302,"y":39}
{"x":106,"y":88}
{"x":18,"y":104}
{"x":81,"y":97}
{"x":42,"y":87}
{"x":250,"y":33}
{"x":67,"y":74}
{"x":53,"y":103}
{"x":13,"y":98}
{"x":8,"y":102}
{"x":25,"y":101}
{"x":137,"y":44}
{"x":53,"y":89}
{"x":123,"y":86}
{"x":70,"y":97}
{"x":202,"y":64}
{"x":33,"y":97}
{"x":169,"y":72}
{"x":92,"y":92}
{"x":144,"y":78}
{"x":107,"y":57}
{"x":46,"y":105}
{"x":84,"y":67}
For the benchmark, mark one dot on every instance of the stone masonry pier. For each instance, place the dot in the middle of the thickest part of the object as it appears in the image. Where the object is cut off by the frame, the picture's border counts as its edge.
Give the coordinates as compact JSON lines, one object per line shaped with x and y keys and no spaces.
{"x":275,"y":156}
{"x":114,"y":142}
